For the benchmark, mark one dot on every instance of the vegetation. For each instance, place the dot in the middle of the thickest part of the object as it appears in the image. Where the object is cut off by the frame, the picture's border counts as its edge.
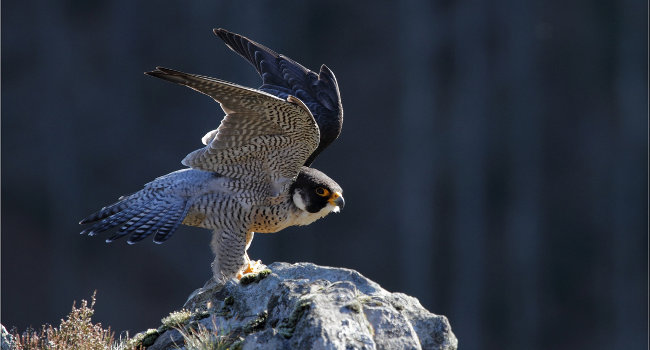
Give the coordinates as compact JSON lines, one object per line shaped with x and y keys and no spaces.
{"x":201,"y":338}
{"x":75,"y":332}
{"x":78,"y":332}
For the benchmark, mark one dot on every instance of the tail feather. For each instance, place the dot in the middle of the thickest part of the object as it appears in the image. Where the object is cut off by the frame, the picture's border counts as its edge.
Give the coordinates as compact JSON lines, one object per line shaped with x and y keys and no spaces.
{"x":142,"y":228}
{"x":139,"y":219}
{"x":109,"y":222}
{"x":136,"y":220}
{"x":110,"y":210}
{"x":170,"y":226}
{"x":167,"y":215}
{"x":153,"y":225}
{"x":145,"y":220}
{"x":156,"y":210}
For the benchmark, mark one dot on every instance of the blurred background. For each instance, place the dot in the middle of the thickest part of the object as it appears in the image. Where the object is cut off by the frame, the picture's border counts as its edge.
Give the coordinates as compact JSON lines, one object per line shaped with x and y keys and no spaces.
{"x":494,"y":157}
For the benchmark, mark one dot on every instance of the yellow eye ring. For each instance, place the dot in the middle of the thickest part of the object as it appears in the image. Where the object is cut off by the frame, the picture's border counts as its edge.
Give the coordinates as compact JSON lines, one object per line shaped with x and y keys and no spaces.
{"x":322,"y":192}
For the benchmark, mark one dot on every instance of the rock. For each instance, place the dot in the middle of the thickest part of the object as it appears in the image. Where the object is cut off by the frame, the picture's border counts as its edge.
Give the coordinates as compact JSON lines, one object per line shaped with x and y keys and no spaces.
{"x":6,"y":339}
{"x":305,"y":306}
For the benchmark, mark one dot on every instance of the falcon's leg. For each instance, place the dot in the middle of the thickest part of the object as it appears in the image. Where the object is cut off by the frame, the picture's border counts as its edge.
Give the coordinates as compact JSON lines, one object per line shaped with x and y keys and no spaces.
{"x":251,"y":266}
{"x":230,"y":250}
{"x":249,"y":239}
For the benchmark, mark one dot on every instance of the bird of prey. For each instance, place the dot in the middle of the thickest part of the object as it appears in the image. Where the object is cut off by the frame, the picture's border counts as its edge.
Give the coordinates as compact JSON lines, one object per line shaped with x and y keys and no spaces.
{"x":253,"y":174}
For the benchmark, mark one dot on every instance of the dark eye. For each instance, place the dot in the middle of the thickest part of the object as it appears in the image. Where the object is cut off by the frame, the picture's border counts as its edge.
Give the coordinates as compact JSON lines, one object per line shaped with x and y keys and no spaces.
{"x":322,"y":192}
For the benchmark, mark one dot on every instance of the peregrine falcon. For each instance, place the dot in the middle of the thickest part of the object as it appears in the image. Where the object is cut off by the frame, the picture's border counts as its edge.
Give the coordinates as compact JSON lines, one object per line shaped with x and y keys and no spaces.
{"x":253,"y":174}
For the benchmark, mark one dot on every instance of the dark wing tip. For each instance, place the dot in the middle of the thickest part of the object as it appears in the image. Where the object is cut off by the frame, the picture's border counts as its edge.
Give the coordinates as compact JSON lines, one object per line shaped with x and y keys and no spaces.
{"x":153,"y":73}
{"x":221,"y":31}
{"x":246,"y":47}
{"x":227,"y":36}
{"x":224,"y":35}
{"x":326,"y":72}
{"x":169,"y":75}
{"x":161,"y":70}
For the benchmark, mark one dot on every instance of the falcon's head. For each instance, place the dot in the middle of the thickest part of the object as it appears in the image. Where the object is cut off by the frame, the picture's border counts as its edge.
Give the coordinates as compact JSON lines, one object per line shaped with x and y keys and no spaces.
{"x":315,"y":193}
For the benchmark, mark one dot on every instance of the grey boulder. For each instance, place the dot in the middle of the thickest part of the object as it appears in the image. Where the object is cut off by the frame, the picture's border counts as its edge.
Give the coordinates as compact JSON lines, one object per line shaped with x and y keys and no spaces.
{"x":305,"y":306}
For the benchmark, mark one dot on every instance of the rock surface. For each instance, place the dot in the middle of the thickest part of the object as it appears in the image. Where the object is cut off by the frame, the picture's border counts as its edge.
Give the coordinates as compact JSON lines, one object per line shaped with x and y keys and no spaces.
{"x":305,"y":306}
{"x":6,"y":341}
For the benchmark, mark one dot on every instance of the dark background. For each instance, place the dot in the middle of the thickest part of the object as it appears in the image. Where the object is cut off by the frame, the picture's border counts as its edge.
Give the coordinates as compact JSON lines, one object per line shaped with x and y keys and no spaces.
{"x":493,"y":156}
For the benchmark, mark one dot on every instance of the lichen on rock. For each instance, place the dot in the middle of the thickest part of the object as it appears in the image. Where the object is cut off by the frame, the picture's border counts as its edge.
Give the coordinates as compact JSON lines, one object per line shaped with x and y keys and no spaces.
{"x":305,"y":306}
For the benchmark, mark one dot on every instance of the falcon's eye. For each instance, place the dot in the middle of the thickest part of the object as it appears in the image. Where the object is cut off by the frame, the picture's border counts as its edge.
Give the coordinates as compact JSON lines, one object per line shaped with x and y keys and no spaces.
{"x":322,"y":192}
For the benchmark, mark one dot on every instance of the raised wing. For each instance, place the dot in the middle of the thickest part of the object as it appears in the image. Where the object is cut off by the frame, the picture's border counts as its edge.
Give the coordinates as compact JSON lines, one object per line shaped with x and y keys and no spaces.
{"x":282,"y":76}
{"x":262,"y":139}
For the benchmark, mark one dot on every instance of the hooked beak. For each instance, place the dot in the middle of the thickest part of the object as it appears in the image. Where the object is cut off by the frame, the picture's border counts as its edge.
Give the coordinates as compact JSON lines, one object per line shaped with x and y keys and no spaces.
{"x":336,"y":199}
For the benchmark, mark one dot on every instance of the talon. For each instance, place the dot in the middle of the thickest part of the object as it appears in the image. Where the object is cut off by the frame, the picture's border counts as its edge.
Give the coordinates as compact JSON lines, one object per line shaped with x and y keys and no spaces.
{"x":253,"y":266}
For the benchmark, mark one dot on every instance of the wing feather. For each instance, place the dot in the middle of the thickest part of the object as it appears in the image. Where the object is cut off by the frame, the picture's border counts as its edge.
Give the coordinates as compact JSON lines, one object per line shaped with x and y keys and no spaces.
{"x":262,"y":138}
{"x":282,"y":77}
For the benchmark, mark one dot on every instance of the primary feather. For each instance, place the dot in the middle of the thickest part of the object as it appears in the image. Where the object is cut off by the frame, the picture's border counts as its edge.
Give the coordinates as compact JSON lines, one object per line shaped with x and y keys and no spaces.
{"x":282,"y":76}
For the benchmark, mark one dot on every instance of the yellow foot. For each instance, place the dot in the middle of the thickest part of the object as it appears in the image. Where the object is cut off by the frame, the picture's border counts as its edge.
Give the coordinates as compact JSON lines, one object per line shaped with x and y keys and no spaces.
{"x":253,"y":266}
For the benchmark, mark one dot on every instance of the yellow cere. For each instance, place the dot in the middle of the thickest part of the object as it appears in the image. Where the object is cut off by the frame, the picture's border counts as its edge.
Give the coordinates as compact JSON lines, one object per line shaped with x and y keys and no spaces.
{"x":333,"y":197}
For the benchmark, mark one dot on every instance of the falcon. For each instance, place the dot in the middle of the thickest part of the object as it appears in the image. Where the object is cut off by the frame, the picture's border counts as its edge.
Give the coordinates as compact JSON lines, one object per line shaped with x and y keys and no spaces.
{"x":254,"y":174}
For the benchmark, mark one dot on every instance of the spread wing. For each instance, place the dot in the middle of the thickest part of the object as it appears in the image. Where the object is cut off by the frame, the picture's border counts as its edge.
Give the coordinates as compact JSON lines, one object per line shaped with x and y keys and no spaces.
{"x":282,"y":76}
{"x":262,"y":139}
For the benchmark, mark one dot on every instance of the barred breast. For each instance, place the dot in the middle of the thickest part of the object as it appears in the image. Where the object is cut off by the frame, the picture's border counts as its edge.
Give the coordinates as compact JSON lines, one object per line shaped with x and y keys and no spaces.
{"x":273,"y":218}
{"x":215,"y":209}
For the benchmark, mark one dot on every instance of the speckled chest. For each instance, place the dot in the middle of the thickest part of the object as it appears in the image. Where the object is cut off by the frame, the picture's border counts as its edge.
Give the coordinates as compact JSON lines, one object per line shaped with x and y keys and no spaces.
{"x":218,"y":212}
{"x":272,"y":218}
